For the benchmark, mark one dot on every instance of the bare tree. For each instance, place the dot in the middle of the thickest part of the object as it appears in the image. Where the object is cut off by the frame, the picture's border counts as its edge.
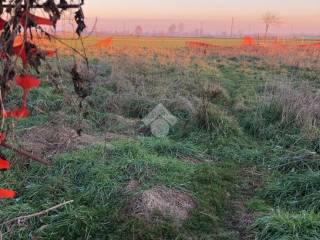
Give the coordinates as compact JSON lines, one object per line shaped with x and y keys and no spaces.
{"x":181,"y":28}
{"x":172,"y":30}
{"x":138,"y":31}
{"x":270,"y":19}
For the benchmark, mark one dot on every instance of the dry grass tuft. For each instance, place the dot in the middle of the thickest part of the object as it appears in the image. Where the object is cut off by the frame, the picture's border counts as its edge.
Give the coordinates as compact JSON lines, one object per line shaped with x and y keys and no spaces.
{"x":163,"y":201}
{"x":300,"y":103}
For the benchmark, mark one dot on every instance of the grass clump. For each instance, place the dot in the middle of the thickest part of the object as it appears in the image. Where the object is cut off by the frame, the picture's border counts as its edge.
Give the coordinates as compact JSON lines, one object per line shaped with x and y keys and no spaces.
{"x":265,"y":122}
{"x":297,"y":162}
{"x":287,"y":226}
{"x":295,"y":191}
{"x":257,"y":205}
{"x":215,"y":121}
{"x":299,"y":103}
{"x":137,"y":107}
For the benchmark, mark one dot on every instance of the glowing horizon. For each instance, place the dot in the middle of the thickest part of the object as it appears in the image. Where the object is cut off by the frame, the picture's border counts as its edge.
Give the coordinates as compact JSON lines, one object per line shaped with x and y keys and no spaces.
{"x":296,"y":15}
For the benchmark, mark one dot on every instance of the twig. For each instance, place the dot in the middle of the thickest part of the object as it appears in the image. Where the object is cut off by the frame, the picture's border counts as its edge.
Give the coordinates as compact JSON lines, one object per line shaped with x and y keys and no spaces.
{"x":26,"y":217}
{"x":24,"y":153}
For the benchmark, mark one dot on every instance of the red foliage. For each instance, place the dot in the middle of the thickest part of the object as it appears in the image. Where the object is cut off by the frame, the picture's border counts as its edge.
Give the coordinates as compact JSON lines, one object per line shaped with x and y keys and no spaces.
{"x":27,"y":82}
{"x":7,"y":194}
{"x":29,"y":18}
{"x":2,"y":137}
{"x":4,"y":193}
{"x":316,"y":45}
{"x":50,"y":53}
{"x":248,"y":41}
{"x":25,"y":48}
{"x":4,"y":164}
{"x":105,"y":43}
{"x":310,"y":46}
{"x":21,"y":52}
{"x":17,"y":114}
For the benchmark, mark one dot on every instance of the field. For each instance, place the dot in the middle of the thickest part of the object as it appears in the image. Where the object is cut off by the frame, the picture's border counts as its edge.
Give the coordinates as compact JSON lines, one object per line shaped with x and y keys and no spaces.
{"x":171,"y":42}
{"x":242,"y":161}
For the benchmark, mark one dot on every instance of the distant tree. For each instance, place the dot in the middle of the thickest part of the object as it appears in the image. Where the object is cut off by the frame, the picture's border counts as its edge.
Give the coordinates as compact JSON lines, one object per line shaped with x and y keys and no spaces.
{"x":270,"y":19}
{"x":138,"y":31}
{"x":181,"y":28}
{"x":172,"y":30}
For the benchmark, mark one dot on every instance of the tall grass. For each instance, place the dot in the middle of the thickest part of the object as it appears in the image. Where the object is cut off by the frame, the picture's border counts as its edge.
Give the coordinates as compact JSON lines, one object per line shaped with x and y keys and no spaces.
{"x":295,"y":191}
{"x":287,"y":226}
{"x":301,"y":103}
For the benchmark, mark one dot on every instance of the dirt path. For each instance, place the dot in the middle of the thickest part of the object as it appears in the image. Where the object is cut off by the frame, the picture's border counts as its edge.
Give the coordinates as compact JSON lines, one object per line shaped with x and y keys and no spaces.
{"x":242,"y":218}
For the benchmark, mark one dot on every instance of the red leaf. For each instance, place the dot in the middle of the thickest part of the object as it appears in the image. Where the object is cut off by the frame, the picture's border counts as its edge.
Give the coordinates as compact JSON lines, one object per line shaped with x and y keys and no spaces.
{"x":50,"y":53}
{"x":4,"y":164}
{"x":19,"y":113}
{"x":248,"y":41}
{"x":21,"y":52}
{"x":2,"y":137}
{"x":35,"y":19}
{"x":27,"y":82}
{"x":7,"y":194}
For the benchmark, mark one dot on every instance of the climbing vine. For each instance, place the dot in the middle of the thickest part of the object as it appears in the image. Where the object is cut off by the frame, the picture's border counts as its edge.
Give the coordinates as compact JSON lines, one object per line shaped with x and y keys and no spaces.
{"x":20,"y":56}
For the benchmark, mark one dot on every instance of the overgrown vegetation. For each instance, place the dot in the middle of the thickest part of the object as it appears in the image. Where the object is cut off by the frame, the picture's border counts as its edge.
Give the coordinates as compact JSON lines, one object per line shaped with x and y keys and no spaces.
{"x":244,"y":152}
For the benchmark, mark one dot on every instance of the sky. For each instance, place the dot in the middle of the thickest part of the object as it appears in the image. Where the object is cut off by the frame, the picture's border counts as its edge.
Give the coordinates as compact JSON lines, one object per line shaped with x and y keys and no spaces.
{"x":212,"y":15}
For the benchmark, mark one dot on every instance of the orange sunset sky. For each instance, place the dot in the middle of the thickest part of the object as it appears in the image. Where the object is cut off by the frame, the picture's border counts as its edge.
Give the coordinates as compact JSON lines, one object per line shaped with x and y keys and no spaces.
{"x":214,"y":16}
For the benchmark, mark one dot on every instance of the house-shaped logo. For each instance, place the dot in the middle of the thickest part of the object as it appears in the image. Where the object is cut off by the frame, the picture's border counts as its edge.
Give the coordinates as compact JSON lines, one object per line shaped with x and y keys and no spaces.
{"x":160,"y":120}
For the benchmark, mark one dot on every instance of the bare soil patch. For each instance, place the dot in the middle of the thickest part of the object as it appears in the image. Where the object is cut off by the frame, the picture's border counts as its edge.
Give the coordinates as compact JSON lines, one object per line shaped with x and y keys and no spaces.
{"x":54,"y":138}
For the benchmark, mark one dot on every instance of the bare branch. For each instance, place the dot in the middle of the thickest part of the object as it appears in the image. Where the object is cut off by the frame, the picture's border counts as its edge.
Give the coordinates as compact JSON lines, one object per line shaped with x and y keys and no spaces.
{"x":27,"y":217}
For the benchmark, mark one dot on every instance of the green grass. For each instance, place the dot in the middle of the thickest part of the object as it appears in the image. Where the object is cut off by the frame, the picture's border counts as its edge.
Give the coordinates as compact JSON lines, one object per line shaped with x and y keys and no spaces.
{"x":287,"y":226}
{"x":295,"y":191}
{"x":94,"y":181}
{"x":171,"y":42}
{"x":229,"y":143}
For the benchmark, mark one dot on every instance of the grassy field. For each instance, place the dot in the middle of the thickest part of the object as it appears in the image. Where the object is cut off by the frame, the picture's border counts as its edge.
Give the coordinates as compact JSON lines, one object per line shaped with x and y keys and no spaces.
{"x":165,"y":42}
{"x":242,"y":162}
{"x":172,"y":42}
{"x":168,"y":42}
